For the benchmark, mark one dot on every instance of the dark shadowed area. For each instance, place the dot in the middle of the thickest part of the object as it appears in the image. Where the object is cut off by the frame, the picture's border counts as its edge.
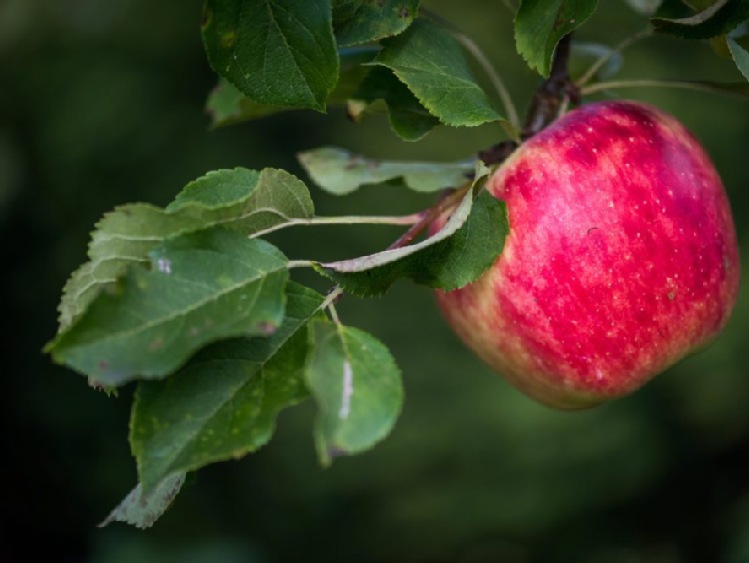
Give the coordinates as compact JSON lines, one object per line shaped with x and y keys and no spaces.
{"x":101,"y":103}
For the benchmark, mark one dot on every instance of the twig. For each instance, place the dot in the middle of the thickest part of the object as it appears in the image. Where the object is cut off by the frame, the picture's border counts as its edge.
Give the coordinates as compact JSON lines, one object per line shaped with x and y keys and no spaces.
{"x":654,"y":83}
{"x":343,"y":220}
{"x":547,"y":100}
{"x":598,"y":64}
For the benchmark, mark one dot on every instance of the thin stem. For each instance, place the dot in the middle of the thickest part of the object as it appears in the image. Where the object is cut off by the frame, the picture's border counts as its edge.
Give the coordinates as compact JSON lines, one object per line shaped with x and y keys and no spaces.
{"x":702,"y":87}
{"x":547,"y":100}
{"x":334,"y":313}
{"x":486,"y":65}
{"x":497,"y":82}
{"x":300,"y":264}
{"x":429,"y":216}
{"x":344,"y":220}
{"x":598,"y":64}
{"x":333,"y":295}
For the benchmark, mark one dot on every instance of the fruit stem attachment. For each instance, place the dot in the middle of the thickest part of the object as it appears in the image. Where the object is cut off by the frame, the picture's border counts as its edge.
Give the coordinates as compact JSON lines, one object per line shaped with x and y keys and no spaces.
{"x":550,"y":95}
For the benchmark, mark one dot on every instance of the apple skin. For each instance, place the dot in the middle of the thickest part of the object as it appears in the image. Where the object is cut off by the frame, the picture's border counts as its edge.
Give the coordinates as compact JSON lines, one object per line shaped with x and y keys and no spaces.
{"x":621,"y":257}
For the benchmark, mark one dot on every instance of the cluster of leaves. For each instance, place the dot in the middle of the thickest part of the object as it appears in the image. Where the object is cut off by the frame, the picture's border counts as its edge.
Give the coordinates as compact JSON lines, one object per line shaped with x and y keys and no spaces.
{"x":194,"y":306}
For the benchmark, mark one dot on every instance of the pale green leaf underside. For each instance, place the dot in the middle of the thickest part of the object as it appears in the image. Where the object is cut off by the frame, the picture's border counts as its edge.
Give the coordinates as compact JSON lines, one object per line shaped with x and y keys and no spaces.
{"x":740,"y":57}
{"x":540,"y":24}
{"x":448,"y":260}
{"x":142,"y":510}
{"x":458,"y":217}
{"x":357,"y":387}
{"x":340,"y":172}
{"x":239,"y":199}
{"x":224,"y":402}
{"x":201,"y":287}
{"x":277,"y":52}
{"x":430,"y":62}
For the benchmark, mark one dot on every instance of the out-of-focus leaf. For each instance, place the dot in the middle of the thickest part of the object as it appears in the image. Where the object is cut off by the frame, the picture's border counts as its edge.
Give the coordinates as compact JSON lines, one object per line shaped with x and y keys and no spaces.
{"x":409,"y":119}
{"x":357,"y":387}
{"x":142,"y":510}
{"x":718,"y":19}
{"x":466,"y":246}
{"x":201,"y":287}
{"x":228,"y":105}
{"x":341,"y":172}
{"x":240,"y":199}
{"x":364,"y":21}
{"x":224,"y":402}
{"x":583,"y":55}
{"x":644,"y":7}
{"x":540,"y":24}
{"x":740,"y":57}
{"x":276,"y":52}
{"x":431,"y":63}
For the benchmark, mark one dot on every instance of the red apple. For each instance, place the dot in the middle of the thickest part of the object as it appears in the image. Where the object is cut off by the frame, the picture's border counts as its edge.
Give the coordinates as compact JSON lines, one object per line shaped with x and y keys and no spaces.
{"x":621,"y":257}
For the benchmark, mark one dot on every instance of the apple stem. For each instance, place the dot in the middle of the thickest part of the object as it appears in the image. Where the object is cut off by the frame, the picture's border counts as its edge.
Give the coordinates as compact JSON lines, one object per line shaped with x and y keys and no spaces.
{"x":549,"y":97}
{"x":549,"y":102}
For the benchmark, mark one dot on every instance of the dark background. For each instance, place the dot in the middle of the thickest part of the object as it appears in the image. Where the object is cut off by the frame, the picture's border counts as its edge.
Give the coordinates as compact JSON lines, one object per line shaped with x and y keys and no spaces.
{"x":101,"y":103}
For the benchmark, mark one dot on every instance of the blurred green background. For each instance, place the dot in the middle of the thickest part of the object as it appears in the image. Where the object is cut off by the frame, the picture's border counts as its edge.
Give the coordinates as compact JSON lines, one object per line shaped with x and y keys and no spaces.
{"x":101,"y":103}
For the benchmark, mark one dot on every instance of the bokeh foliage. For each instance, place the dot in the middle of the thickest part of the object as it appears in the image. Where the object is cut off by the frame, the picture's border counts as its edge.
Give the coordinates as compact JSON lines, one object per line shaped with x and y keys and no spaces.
{"x":102,"y":104}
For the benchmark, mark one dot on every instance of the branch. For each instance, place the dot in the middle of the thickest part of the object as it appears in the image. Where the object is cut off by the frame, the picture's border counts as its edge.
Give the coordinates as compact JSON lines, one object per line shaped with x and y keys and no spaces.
{"x":549,"y":97}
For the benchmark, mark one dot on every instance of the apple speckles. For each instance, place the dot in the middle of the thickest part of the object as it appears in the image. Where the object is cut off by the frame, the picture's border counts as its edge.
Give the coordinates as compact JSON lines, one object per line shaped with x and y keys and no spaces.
{"x":621,"y":257}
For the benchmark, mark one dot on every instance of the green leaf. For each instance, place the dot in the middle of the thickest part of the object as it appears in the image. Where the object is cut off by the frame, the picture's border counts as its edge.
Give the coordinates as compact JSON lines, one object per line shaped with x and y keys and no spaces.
{"x":246,"y":205}
{"x":466,"y":246}
{"x":717,"y":19}
{"x":540,"y":24}
{"x":357,"y":387}
{"x":224,"y":402}
{"x":740,"y":57}
{"x":142,"y":510}
{"x":429,"y":60}
{"x":276,"y":52}
{"x":409,"y":119}
{"x":364,"y":21}
{"x":201,"y":287}
{"x":341,"y":172}
{"x":244,"y":200}
{"x":227,"y":105}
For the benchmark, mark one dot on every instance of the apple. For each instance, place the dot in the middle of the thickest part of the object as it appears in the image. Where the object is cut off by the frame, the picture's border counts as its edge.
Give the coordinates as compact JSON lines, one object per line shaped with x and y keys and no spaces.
{"x":621,"y":257}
